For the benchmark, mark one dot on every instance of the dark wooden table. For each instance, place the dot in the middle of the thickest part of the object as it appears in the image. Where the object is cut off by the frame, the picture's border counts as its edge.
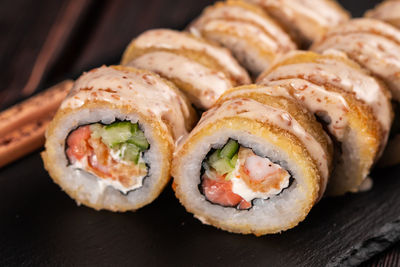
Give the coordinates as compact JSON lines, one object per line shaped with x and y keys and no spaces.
{"x":46,"y":41}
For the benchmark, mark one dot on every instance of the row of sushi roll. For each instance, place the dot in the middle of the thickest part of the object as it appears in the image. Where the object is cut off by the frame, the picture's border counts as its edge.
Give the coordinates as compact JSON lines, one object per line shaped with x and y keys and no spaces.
{"x":270,"y":142}
{"x":283,"y":158}
{"x":375,"y":45}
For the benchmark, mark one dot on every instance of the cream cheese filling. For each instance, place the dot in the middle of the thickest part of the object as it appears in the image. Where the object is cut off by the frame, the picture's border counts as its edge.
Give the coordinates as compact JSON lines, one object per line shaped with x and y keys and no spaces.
{"x":104,"y":182}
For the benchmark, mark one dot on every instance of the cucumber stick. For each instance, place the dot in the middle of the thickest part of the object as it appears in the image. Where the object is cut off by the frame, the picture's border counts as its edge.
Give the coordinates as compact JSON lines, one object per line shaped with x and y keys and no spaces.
{"x":139,"y":139}
{"x":230,"y":149}
{"x":116,"y":133}
{"x":124,"y":136}
{"x":222,"y":166}
{"x":131,"y":153}
{"x":224,"y":160}
{"x":124,"y":132}
{"x":214,"y":156}
{"x":234,"y":160}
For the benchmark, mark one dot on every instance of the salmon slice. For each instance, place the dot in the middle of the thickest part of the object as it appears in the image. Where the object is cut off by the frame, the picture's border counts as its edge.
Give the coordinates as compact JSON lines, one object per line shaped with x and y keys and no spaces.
{"x":99,"y":158}
{"x":220,"y":192}
{"x":77,"y":142}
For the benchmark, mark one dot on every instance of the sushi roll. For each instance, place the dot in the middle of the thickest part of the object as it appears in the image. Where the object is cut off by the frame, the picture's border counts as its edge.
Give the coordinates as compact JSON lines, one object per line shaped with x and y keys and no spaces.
{"x":252,"y":36}
{"x":387,"y":11}
{"x":354,"y":107}
{"x":202,"y":70}
{"x":253,"y":165}
{"x":110,"y":143}
{"x":305,"y":20}
{"x":374,"y":44}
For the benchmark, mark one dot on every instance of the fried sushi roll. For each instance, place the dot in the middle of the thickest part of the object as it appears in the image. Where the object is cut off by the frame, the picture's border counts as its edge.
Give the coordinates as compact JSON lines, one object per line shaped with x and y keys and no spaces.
{"x":253,"y":37}
{"x":253,"y":166}
{"x":110,"y":144}
{"x":305,"y":20}
{"x":373,"y":44}
{"x":387,"y":11}
{"x":202,"y":70}
{"x":354,"y":106}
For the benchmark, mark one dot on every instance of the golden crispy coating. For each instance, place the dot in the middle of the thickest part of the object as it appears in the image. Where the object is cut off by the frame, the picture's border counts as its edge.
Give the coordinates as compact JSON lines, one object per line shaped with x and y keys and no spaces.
{"x":368,"y":118}
{"x":269,"y":133}
{"x":294,"y":108}
{"x":115,"y":90}
{"x":191,"y":118}
{"x":50,"y":157}
{"x":252,"y":36}
{"x":307,"y":20}
{"x":388,"y":11}
{"x":373,"y":44}
{"x":200,"y":68}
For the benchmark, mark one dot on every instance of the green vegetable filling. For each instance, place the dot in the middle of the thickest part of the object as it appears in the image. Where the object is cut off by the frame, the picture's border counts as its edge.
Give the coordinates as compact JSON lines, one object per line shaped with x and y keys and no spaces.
{"x":224,"y":160}
{"x":122,"y":136}
{"x":130,"y":152}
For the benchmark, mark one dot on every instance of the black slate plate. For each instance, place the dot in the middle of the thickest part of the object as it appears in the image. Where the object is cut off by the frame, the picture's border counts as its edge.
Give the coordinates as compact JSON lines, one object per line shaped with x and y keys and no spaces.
{"x":40,"y":225}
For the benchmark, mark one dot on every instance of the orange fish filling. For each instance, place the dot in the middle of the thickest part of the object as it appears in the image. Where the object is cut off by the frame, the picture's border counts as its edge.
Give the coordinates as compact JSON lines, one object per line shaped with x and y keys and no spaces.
{"x":83,"y":147}
{"x":220,"y":192}
{"x":259,"y":174}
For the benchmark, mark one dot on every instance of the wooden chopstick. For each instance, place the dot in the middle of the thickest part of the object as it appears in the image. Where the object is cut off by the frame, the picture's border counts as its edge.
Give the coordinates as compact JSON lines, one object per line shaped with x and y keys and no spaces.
{"x":22,"y":126}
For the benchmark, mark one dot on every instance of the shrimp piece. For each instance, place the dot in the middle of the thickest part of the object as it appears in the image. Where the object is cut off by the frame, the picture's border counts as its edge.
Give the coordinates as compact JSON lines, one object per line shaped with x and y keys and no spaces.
{"x":220,"y":192}
{"x":260,"y":174}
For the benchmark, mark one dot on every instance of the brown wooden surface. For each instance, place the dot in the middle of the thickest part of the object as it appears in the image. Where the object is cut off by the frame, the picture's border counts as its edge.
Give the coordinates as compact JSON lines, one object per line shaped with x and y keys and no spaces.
{"x":96,"y":35}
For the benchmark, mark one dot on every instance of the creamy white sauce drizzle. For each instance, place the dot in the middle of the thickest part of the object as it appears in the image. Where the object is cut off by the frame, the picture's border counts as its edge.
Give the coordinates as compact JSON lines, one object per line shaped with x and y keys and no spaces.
{"x":315,"y":98}
{"x":132,"y":88}
{"x":305,"y":13}
{"x":376,"y":53}
{"x":240,"y":13}
{"x":243,"y":30}
{"x":174,"y":40}
{"x":208,"y":84}
{"x":319,"y":11}
{"x":387,"y":11}
{"x":251,"y":46}
{"x":340,"y":75}
{"x":254,"y":110}
{"x":365,"y":25}
{"x":320,"y":102}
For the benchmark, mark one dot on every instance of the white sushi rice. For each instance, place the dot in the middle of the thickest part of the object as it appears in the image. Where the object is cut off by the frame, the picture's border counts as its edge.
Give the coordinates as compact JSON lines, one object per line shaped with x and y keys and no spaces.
{"x":278,"y":212}
{"x":88,"y":186}
{"x":350,"y":171}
